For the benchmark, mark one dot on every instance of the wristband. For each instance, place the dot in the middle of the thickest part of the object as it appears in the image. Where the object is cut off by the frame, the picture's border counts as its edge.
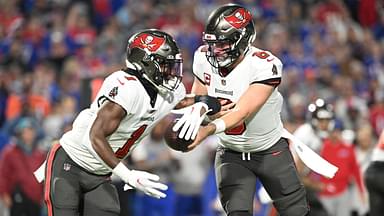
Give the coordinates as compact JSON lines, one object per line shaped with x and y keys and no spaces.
{"x":190,"y":95}
{"x":220,"y":125}
{"x":122,"y":171}
{"x":212,"y":102}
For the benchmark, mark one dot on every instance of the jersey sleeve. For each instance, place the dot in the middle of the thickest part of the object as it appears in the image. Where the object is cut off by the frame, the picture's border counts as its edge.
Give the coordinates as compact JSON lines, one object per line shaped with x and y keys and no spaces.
{"x":198,"y":61}
{"x":267,"y":71}
{"x":122,"y":90}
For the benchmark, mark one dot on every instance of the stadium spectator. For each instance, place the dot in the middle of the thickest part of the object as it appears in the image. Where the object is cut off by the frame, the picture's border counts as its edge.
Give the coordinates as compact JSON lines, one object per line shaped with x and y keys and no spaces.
{"x":374,"y":176}
{"x":188,"y":179}
{"x":334,"y":194}
{"x":153,"y":155}
{"x":364,"y":143}
{"x":320,"y":122}
{"x":19,"y":190}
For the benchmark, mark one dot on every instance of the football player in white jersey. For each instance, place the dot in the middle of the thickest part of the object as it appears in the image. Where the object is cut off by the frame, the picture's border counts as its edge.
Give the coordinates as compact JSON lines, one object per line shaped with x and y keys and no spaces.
{"x":374,"y":178}
{"x":320,"y":122}
{"x":228,"y":67}
{"x":127,"y":106}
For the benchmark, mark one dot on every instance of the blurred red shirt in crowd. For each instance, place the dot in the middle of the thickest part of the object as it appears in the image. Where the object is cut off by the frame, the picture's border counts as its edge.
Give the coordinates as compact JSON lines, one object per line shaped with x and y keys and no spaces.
{"x":343,"y":156}
{"x":16,"y":170}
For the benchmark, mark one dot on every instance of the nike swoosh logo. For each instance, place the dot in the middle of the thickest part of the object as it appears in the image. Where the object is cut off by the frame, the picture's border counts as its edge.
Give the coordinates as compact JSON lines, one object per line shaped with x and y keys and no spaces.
{"x":269,"y":60}
{"x":120,"y":81}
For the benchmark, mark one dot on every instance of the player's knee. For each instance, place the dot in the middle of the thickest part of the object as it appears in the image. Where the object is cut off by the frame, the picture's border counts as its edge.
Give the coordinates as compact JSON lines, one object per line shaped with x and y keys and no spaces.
{"x":64,"y":194}
{"x":104,"y":198}
{"x":295,"y":211}
{"x":240,"y":213}
{"x":294,"y":204}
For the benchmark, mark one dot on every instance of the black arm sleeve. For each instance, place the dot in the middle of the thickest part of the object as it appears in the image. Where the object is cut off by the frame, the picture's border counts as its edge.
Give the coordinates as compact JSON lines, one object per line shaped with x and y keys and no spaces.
{"x":212,"y":102}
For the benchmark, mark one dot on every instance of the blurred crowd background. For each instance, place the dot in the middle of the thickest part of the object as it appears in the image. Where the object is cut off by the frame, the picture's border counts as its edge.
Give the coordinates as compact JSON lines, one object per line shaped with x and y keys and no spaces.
{"x":54,"y":54}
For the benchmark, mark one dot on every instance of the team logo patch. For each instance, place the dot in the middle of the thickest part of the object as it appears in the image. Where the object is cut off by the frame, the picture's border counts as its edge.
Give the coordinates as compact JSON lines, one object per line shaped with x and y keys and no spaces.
{"x":148,"y":42}
{"x":207,"y":79}
{"x":113,"y":92}
{"x":239,"y":18}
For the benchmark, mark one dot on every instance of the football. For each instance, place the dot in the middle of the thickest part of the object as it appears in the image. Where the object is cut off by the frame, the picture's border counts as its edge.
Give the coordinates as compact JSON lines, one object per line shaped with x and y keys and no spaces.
{"x":171,"y":138}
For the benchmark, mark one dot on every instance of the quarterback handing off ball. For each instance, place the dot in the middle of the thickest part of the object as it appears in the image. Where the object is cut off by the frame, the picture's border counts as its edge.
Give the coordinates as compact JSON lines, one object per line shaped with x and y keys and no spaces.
{"x":171,"y":137}
{"x":184,"y":123}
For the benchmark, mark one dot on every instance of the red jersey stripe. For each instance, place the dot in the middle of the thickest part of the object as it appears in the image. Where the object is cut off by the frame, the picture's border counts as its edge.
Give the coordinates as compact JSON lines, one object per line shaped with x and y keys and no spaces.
{"x":48,"y":175}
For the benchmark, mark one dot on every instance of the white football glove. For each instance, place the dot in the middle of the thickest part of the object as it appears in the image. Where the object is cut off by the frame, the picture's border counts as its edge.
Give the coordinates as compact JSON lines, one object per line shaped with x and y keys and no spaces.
{"x":191,"y":120}
{"x":144,"y":181}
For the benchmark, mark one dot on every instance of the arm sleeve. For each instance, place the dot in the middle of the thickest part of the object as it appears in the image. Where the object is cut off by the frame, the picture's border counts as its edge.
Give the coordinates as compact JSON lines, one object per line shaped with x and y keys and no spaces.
{"x":268,"y":73}
{"x":198,"y":61}
{"x":125,"y":95}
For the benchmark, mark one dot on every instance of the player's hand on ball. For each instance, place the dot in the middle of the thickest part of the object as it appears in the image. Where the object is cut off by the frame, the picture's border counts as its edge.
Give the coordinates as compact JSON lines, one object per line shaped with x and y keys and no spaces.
{"x":191,"y":120}
{"x":172,"y":137}
{"x":202,"y":134}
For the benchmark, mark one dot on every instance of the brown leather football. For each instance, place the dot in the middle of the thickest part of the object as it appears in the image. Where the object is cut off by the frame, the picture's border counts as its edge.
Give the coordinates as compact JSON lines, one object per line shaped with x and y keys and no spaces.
{"x":171,"y":137}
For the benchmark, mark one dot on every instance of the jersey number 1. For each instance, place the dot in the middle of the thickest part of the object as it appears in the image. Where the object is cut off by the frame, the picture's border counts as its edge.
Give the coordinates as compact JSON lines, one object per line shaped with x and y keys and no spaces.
{"x":123,"y":151}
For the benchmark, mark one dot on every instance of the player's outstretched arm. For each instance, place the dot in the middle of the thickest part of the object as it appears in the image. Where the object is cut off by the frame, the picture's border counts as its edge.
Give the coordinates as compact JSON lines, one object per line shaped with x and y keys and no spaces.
{"x":249,"y":104}
{"x":194,"y":107}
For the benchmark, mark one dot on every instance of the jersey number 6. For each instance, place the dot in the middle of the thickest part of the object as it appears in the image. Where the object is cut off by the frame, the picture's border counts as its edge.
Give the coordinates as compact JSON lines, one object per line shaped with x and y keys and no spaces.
{"x":238,"y":130}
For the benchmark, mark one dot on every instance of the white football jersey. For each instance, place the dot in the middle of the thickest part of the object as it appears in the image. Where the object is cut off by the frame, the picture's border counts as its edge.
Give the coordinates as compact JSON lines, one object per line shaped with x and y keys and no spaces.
{"x":127,"y":91}
{"x":378,"y":152}
{"x":306,"y":134}
{"x":264,"y":129}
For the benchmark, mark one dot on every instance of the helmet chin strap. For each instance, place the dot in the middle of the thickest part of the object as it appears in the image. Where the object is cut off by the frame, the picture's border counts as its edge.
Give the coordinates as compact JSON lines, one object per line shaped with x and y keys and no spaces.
{"x":162,"y":90}
{"x":132,"y":65}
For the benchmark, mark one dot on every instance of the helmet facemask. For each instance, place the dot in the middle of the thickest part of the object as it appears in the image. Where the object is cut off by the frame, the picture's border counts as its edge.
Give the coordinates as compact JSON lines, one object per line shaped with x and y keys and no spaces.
{"x":223,"y":53}
{"x":158,"y":58}
{"x":170,"y":72}
{"x":322,"y":117}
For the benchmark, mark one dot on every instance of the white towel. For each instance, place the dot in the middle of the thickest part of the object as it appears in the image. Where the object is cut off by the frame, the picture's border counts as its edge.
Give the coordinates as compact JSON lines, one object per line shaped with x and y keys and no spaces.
{"x":40,"y":172}
{"x":310,"y":158}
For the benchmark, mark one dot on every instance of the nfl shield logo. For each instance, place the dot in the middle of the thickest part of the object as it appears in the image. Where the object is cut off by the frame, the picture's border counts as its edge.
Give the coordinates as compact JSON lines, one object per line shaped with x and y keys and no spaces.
{"x":67,"y":166}
{"x":223,"y":82}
